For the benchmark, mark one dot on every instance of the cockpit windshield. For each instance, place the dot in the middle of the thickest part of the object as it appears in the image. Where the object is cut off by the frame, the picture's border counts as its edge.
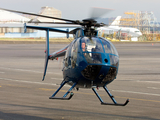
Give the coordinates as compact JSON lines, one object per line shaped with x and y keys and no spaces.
{"x":109,"y":47}
{"x":96,"y":45}
{"x":94,"y":48}
{"x":93,"y":45}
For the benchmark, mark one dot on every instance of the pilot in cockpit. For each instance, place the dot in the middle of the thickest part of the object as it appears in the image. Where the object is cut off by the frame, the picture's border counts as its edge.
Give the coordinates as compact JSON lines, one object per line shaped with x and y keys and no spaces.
{"x":86,"y":54}
{"x":83,"y":46}
{"x":92,"y":51}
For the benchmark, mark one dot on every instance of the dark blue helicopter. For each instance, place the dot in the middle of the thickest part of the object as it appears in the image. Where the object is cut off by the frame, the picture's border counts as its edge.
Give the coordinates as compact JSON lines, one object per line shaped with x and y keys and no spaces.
{"x":89,"y":61}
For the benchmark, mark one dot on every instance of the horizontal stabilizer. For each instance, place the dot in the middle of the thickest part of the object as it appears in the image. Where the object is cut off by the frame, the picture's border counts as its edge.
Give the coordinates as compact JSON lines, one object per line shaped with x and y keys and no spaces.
{"x":46,"y":28}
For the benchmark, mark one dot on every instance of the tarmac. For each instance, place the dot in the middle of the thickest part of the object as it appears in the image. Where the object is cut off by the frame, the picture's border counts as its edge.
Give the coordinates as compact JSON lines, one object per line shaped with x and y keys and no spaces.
{"x":23,"y":94}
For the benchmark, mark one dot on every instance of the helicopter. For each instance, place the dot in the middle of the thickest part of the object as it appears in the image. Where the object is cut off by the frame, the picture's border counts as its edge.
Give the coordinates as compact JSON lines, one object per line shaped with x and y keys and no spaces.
{"x":89,"y":61}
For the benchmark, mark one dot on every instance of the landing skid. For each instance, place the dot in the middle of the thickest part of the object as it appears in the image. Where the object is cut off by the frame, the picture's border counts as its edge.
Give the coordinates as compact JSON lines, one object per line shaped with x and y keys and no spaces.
{"x":65,"y":95}
{"x":112,"y":98}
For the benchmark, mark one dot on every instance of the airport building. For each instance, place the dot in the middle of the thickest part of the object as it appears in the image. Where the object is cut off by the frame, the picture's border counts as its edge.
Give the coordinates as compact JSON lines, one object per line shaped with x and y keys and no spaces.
{"x":8,"y":18}
{"x":47,"y":11}
{"x":12,"y":24}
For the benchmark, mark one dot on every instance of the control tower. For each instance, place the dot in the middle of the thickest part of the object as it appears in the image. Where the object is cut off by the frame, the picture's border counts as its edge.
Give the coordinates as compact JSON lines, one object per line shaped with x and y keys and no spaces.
{"x":48,"y":11}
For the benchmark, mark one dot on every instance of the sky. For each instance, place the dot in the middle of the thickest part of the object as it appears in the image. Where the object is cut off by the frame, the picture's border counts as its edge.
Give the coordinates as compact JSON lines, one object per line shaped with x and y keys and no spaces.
{"x":80,"y":9}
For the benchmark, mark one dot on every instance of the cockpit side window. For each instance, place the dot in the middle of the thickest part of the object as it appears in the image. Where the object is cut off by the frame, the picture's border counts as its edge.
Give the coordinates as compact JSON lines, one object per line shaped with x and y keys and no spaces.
{"x":67,"y":61}
{"x":74,"y":53}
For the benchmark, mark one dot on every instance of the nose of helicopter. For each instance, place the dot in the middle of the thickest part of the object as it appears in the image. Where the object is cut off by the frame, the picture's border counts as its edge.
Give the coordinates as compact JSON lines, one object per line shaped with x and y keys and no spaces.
{"x":101,"y":74}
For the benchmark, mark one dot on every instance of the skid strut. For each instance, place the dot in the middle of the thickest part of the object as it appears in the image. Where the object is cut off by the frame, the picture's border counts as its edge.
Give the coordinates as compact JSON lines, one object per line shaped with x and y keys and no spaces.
{"x":112,"y":98}
{"x":64,"y":97}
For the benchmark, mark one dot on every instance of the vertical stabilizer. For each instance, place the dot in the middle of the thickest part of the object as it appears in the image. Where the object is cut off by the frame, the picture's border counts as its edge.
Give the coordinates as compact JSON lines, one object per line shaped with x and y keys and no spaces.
{"x":116,"y":21}
{"x":47,"y":54}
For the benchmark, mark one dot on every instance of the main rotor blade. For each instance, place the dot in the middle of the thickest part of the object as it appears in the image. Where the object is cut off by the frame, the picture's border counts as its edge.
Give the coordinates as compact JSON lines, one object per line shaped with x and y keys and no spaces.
{"x":37,"y":22}
{"x":39,"y":15}
{"x":98,"y":12}
{"x":54,"y":25}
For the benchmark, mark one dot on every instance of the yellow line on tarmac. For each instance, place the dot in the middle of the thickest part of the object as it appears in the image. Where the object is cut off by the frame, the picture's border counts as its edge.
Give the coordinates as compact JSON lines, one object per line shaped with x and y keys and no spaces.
{"x":138,"y":99}
{"x":47,"y":89}
{"x":145,"y":100}
{"x":100,"y":95}
{"x":44,"y":89}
